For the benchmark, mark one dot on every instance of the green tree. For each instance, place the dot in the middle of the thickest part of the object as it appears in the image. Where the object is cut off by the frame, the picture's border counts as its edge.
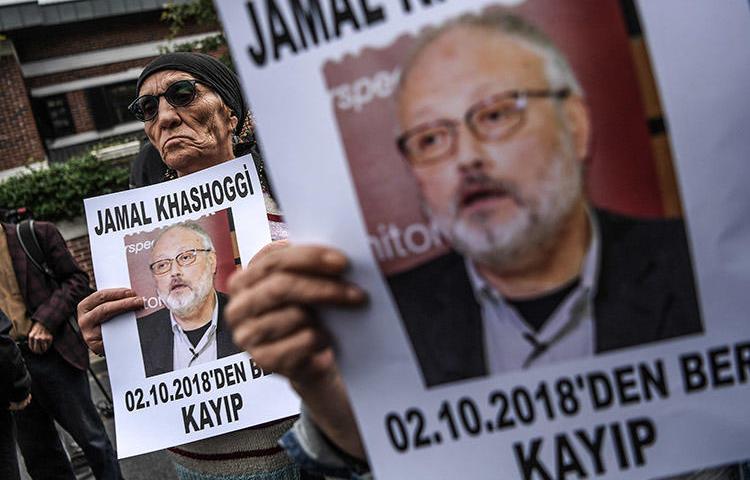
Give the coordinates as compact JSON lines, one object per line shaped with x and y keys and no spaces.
{"x":56,"y":193}
{"x":203,"y":13}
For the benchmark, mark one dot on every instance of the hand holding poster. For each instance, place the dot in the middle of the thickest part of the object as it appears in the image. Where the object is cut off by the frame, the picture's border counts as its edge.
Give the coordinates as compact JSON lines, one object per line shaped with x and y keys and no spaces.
{"x":176,"y":375}
{"x":489,"y":173}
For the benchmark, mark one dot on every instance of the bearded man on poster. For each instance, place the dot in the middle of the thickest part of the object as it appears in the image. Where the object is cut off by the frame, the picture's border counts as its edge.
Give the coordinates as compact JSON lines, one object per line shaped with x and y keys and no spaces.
{"x":190,"y":330}
{"x":497,"y":144}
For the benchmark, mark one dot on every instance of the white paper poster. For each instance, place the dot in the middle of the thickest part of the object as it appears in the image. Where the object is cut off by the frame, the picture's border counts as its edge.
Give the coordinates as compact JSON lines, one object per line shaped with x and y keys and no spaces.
{"x":487,"y":166}
{"x":176,"y":375}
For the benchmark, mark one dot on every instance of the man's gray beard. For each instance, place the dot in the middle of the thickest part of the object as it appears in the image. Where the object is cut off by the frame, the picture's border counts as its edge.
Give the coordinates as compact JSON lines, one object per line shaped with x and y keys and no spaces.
{"x":187,"y":304}
{"x":504,"y":246}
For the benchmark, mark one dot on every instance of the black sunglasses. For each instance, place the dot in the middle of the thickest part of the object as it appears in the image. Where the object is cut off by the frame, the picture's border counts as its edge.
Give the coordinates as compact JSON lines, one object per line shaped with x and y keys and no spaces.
{"x":180,"y":94}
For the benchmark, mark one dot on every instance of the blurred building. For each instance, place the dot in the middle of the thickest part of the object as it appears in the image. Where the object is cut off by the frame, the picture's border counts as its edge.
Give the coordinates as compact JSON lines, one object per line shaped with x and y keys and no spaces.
{"x":67,"y":74}
{"x":68,"y":70}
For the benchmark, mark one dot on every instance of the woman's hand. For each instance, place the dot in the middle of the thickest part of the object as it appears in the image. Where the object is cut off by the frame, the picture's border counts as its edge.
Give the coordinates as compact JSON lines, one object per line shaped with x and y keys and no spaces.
{"x":272,"y":314}
{"x":39,"y":338}
{"x":16,"y":406}
{"x":99,"y":307}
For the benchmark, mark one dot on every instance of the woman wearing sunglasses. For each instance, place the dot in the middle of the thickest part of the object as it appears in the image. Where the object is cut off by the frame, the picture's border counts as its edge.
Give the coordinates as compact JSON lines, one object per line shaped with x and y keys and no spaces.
{"x":192,"y":109}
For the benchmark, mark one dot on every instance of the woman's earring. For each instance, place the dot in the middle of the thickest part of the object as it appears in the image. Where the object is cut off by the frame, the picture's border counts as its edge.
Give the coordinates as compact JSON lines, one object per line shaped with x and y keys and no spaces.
{"x":235,"y":139}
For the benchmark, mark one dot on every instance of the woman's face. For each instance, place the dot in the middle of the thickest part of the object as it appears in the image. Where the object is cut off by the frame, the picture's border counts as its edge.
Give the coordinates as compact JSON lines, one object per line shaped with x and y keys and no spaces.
{"x":193,"y":137}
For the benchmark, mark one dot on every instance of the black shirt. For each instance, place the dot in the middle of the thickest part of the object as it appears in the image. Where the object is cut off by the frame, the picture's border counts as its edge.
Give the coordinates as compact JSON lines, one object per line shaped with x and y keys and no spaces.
{"x":536,"y":311}
{"x":195,"y":335}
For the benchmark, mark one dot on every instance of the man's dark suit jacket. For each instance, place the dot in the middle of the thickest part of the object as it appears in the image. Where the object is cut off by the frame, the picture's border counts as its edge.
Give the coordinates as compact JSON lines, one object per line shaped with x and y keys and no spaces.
{"x":645,"y":293}
{"x":157,"y":339}
{"x":49,"y":304}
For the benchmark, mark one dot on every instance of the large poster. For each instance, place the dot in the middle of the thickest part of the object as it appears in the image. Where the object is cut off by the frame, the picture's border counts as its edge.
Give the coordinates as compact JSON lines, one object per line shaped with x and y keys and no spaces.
{"x":488,"y":168}
{"x":176,"y":375}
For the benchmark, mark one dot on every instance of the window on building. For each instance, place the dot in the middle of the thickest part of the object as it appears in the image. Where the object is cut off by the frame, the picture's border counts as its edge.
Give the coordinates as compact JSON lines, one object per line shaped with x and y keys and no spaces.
{"x":54,"y":116}
{"x":109,"y":104}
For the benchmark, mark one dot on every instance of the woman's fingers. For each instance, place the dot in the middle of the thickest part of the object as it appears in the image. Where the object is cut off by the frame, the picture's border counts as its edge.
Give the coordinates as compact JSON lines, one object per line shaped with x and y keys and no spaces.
{"x":99,"y":307}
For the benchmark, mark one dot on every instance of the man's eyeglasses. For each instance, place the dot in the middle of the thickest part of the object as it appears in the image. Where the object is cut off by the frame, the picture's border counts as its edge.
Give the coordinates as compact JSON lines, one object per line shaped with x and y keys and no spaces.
{"x":492,"y":119}
{"x":180,"y":94}
{"x":183,"y":259}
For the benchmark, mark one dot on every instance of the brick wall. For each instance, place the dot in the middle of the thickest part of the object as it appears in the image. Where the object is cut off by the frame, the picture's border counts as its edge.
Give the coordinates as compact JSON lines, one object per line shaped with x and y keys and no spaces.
{"x":80,"y":37}
{"x":79,"y":110}
{"x":81,"y":251}
{"x":95,"y":35}
{"x":77,"y":101}
{"x":19,"y":138}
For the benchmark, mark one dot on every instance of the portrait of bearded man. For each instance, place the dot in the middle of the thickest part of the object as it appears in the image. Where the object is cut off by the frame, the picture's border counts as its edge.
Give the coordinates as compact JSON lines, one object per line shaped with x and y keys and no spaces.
{"x":536,"y":274}
{"x":190,"y":330}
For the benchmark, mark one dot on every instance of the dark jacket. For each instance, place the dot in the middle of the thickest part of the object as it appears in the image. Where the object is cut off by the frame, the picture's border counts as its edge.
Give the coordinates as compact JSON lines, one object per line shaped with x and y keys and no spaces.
{"x":51,"y":304}
{"x":15,"y":382}
{"x":157,"y":339}
{"x":645,"y":293}
{"x":147,"y":168}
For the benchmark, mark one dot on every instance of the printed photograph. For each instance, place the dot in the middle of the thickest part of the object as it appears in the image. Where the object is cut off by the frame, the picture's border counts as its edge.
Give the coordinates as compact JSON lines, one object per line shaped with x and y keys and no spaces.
{"x":181,"y":271}
{"x":522,"y":204}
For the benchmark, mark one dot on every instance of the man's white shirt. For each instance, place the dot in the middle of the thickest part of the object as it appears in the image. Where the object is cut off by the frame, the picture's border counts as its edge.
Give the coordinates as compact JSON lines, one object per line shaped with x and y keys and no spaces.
{"x":184,"y":353}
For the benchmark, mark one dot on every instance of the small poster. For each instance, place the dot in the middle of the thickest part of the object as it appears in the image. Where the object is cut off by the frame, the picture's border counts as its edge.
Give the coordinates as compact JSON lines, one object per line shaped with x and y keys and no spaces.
{"x":176,"y":375}
{"x":548,"y":299}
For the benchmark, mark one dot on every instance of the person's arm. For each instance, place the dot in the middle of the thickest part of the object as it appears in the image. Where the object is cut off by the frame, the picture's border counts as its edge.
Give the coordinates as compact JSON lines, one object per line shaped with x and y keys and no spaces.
{"x":73,"y":283}
{"x":19,"y":385}
{"x":14,"y":378}
{"x":272,"y":313}
{"x":306,"y":444}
